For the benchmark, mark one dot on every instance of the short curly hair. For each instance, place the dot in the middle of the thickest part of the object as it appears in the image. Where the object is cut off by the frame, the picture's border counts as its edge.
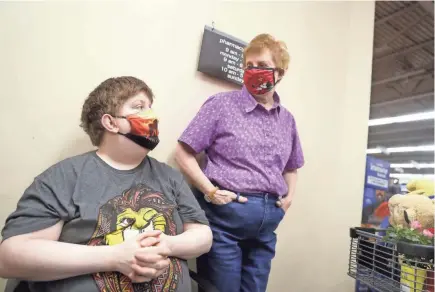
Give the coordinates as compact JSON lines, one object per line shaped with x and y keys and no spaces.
{"x":108,"y":98}
{"x":278,"y":49}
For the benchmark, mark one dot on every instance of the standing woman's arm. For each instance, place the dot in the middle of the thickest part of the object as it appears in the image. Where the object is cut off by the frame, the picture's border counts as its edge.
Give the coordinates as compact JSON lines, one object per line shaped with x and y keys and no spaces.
{"x":295,"y":161}
{"x":290,"y":178}
{"x":198,"y":136}
{"x":186,"y":159}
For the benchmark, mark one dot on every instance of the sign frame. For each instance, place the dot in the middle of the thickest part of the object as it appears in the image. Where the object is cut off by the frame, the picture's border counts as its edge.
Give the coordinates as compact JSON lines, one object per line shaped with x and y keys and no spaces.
{"x":228,"y":51}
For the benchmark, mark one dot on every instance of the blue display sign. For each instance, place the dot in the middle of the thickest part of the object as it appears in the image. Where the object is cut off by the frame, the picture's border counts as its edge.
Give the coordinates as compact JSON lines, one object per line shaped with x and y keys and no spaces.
{"x":377,"y":173}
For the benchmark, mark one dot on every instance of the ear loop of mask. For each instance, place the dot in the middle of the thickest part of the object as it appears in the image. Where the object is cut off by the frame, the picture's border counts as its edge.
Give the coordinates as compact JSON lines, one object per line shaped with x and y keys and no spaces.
{"x":280,"y":74}
{"x":120,"y":117}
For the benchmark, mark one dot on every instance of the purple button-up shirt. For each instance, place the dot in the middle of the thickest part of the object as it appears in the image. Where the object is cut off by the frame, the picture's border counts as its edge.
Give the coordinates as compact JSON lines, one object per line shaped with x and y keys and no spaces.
{"x":248,"y":148}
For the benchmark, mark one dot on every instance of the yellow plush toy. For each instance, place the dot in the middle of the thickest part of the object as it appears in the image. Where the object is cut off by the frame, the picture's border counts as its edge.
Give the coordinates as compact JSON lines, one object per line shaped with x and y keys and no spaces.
{"x":421,"y":187}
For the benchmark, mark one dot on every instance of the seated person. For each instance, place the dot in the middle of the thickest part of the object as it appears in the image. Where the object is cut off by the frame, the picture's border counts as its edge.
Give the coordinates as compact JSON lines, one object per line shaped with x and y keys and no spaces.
{"x":110,"y":220}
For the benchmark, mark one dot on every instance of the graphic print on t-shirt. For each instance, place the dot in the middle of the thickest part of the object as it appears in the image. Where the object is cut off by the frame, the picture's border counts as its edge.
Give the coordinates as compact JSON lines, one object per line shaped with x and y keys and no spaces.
{"x":137,"y":210}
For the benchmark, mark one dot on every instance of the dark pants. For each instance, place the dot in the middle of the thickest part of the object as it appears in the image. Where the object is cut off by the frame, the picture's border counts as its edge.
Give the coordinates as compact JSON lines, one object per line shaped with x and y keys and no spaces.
{"x":243,"y":243}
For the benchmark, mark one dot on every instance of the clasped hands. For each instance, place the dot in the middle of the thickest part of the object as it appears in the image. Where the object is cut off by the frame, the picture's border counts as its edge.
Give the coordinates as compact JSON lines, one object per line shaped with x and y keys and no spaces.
{"x":143,"y":258}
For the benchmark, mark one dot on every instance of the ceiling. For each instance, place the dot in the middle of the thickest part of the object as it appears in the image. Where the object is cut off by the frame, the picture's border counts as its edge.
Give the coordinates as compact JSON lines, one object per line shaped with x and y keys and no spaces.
{"x":403,"y":81}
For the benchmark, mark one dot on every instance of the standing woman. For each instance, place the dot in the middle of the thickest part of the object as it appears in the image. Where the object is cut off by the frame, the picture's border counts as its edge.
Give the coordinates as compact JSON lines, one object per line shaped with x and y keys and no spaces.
{"x":248,"y":181}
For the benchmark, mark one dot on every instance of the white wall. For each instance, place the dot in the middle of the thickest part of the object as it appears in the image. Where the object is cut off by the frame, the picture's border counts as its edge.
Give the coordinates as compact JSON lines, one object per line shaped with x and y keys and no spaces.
{"x":53,"y":54}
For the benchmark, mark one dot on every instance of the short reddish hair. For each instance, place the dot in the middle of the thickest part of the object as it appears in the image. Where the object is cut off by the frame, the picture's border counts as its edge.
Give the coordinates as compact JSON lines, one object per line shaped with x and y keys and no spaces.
{"x":278,"y":49}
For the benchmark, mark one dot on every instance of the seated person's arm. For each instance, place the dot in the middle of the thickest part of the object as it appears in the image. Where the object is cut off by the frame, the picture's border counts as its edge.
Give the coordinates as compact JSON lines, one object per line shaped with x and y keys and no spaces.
{"x":193,"y":242}
{"x":38,"y":256}
{"x":197,"y":237}
{"x":31,"y":251}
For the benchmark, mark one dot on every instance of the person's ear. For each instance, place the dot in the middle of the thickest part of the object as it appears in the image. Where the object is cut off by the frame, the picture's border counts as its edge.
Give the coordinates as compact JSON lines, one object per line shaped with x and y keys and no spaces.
{"x":279,"y":74}
{"x":109,"y":123}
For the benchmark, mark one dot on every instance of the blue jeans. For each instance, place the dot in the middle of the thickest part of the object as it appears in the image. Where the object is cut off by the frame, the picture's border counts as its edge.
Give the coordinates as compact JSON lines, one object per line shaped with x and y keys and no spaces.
{"x":243,"y":243}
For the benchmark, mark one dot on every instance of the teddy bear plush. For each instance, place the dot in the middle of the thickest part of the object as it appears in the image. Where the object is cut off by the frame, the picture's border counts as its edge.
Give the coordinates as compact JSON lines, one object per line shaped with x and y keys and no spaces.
{"x":416,"y":205}
{"x":405,"y":209}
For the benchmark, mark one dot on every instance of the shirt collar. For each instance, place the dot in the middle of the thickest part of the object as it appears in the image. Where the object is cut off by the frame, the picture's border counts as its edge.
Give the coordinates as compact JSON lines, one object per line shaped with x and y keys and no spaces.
{"x":249,"y":103}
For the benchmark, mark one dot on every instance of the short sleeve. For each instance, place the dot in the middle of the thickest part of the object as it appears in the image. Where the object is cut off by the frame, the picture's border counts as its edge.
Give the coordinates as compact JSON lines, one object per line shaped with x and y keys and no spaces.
{"x":201,"y":131}
{"x":296,"y":159}
{"x":188,"y":206}
{"x":44,"y":203}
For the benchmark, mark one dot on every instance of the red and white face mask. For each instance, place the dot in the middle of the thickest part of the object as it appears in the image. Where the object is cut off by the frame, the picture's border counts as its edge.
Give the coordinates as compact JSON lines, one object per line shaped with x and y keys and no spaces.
{"x":258,"y":80}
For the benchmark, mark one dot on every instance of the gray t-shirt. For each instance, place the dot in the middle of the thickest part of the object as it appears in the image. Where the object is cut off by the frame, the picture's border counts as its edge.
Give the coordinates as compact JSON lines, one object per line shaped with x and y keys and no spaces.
{"x":101,"y":205}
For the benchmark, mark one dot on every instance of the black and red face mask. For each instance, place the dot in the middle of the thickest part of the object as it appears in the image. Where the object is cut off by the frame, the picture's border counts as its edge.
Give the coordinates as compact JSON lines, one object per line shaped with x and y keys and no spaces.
{"x":259,"y":80}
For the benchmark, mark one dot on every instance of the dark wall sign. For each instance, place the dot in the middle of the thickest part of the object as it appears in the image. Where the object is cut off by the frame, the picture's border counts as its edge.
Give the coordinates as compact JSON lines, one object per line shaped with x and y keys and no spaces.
{"x":221,"y":56}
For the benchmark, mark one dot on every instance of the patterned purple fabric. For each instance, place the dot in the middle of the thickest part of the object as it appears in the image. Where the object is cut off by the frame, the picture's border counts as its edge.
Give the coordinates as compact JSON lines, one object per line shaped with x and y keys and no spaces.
{"x":248,"y":148}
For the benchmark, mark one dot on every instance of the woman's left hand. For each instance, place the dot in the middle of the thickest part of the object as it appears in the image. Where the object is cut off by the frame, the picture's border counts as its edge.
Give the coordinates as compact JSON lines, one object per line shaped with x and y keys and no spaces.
{"x":286,"y":205}
{"x":222,"y":197}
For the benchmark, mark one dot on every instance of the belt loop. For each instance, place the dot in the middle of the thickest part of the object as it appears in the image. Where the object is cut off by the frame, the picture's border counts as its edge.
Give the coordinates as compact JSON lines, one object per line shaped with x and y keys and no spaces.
{"x":238,"y":197}
{"x":266,"y":196}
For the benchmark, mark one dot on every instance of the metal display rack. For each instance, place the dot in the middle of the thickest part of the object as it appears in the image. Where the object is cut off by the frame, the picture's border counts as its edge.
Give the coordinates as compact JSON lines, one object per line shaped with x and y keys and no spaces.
{"x":389,"y":267}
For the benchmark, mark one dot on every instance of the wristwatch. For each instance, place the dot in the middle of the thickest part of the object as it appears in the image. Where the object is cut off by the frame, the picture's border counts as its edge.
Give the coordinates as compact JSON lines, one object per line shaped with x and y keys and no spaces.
{"x":209,"y":196}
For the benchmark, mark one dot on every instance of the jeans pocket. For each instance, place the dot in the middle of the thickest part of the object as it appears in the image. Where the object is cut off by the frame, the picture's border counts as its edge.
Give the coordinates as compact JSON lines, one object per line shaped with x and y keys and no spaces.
{"x":221,"y":209}
{"x":222,"y":205}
